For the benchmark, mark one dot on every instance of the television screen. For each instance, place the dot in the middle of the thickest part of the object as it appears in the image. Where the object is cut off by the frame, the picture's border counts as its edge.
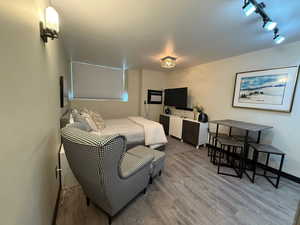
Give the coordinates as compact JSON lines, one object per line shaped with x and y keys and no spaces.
{"x":176,"y":97}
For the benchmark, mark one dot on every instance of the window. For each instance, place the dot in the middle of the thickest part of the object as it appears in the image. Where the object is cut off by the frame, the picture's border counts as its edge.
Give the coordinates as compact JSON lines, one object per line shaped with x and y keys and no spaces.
{"x":98,"y":82}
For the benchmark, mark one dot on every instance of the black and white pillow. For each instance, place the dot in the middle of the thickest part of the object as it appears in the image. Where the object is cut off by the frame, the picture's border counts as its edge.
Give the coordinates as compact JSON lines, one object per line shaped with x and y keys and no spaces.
{"x":84,"y":125}
{"x":90,"y":121}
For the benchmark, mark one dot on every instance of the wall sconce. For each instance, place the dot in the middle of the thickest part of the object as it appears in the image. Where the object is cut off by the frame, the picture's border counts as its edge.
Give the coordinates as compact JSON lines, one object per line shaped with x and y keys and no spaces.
{"x":51,"y":27}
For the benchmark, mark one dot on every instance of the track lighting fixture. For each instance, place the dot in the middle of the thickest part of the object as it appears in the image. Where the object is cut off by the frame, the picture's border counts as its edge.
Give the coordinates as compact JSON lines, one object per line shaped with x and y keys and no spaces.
{"x":251,"y":6}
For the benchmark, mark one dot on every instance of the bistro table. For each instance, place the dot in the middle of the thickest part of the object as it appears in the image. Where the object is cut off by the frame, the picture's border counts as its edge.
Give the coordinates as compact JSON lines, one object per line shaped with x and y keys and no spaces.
{"x":248,"y":127}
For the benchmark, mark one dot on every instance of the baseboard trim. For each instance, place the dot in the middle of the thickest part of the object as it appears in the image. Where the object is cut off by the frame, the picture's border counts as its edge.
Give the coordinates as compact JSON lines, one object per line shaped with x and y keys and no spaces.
{"x":56,"y":207}
{"x":291,"y":177}
{"x":283,"y":174}
{"x":59,"y":190}
{"x":272,"y":170}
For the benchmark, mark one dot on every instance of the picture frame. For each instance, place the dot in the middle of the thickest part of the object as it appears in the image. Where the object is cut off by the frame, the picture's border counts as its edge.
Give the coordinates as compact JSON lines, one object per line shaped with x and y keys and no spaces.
{"x":61,"y":91}
{"x":268,"y":89}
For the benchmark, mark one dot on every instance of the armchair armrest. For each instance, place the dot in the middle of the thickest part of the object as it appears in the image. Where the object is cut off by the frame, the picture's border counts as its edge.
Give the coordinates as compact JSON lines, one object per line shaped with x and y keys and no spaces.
{"x":132,"y":164}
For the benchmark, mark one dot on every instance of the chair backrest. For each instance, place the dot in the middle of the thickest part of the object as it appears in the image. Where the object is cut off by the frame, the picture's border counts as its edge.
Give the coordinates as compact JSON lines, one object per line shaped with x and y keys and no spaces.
{"x":95,"y":162}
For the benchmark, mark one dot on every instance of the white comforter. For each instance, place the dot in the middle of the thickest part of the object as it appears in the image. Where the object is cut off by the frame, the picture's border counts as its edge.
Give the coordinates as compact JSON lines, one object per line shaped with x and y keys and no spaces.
{"x":154,"y":132}
{"x":132,"y":131}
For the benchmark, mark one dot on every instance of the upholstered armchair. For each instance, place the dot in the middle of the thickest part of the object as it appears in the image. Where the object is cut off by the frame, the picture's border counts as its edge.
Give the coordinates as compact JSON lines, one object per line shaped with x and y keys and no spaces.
{"x":109,"y":176}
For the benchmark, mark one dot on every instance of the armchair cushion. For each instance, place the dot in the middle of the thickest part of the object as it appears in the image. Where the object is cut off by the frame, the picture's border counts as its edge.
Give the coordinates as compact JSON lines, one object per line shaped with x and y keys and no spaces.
{"x":158,"y":157}
{"x":132,"y":164}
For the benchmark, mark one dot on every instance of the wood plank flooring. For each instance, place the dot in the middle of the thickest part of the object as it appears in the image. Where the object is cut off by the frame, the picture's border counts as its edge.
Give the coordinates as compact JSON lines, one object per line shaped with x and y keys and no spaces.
{"x":191,"y":193}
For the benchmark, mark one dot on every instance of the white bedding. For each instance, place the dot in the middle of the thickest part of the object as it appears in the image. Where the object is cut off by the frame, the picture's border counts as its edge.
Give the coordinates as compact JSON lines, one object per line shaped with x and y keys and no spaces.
{"x":154,"y":132}
{"x":136,"y":130}
{"x":132,"y":131}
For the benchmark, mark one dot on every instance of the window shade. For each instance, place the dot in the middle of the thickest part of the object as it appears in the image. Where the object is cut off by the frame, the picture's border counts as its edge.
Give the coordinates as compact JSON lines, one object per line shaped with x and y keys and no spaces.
{"x":97,"y":82}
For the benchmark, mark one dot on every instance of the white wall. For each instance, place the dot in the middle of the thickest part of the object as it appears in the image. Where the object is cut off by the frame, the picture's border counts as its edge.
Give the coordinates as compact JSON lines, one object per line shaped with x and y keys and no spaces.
{"x":154,"y":80}
{"x":212,"y":86}
{"x":29,"y":115}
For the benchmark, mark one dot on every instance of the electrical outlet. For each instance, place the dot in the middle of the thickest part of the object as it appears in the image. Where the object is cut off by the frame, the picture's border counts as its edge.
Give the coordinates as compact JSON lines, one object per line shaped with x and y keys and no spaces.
{"x":57,"y":171}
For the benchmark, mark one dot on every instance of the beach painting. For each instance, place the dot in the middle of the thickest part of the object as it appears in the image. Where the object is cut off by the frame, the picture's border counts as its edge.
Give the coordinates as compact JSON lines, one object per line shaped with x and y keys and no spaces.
{"x":269,"y":89}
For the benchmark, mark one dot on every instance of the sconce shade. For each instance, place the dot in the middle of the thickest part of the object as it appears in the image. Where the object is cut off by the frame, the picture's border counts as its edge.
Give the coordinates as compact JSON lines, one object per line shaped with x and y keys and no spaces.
{"x":51,"y":19}
{"x":51,"y":27}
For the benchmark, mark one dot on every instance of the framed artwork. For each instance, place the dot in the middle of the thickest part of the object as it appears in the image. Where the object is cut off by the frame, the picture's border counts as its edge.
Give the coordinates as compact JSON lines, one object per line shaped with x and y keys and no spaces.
{"x":61,"y":89}
{"x":271,"y":89}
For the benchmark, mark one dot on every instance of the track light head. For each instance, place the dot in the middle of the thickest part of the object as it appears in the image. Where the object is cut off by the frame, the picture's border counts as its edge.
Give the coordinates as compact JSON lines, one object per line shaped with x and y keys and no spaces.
{"x":278,"y":39}
{"x":249,"y":8}
{"x":269,"y":25}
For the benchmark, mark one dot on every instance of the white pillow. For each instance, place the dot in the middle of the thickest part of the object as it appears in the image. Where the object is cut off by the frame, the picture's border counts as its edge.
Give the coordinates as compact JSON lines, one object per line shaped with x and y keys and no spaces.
{"x":100,"y":123}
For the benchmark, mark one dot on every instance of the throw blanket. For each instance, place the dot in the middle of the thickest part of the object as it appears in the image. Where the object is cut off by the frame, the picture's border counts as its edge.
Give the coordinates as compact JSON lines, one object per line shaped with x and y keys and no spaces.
{"x":154,"y":132}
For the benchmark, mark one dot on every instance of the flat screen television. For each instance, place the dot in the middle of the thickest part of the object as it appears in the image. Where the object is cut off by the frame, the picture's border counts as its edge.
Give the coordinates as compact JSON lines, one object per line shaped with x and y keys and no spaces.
{"x":176,"y":97}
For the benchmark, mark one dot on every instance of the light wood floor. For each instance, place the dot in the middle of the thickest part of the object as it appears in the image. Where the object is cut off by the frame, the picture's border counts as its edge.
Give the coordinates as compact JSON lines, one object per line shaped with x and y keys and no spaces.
{"x":191,"y":193}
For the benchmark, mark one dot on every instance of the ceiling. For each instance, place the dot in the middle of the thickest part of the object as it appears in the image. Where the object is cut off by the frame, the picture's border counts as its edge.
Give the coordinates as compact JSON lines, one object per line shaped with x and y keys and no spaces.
{"x":137,"y":33}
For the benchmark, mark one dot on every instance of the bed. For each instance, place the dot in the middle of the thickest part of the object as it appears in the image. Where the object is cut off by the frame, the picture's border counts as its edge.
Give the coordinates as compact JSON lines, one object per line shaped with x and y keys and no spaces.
{"x":137,"y":130}
{"x":133,"y":132}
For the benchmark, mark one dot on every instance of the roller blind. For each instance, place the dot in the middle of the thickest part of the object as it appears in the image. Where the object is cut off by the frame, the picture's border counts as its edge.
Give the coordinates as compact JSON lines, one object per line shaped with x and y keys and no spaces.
{"x":98,"y":82}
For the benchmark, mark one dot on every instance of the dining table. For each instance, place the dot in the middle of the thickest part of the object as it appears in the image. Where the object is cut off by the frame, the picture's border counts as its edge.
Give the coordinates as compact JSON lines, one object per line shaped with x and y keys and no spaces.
{"x":246,"y":126}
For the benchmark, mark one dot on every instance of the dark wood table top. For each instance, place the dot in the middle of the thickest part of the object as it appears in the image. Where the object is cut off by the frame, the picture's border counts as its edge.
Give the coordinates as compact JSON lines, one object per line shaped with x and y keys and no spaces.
{"x":241,"y":125}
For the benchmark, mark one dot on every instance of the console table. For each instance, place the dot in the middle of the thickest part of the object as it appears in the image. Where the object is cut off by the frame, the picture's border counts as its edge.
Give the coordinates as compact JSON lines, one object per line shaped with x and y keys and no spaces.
{"x":185,"y":129}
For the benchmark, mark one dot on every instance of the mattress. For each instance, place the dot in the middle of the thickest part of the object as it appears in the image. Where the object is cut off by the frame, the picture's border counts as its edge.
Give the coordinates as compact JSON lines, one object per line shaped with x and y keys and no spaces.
{"x":133,"y":132}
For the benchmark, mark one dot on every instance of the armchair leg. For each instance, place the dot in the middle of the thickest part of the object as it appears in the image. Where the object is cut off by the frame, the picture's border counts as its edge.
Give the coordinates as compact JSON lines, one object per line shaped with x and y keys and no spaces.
{"x":150,"y":180}
{"x":87,"y":201}
{"x":145,"y":191}
{"x":109,"y":220}
{"x":160,"y":172}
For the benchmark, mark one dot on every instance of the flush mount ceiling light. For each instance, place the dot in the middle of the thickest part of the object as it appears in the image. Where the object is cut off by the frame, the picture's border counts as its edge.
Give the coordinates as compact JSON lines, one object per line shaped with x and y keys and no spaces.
{"x":251,"y":6}
{"x":51,"y":27}
{"x":168,"y":62}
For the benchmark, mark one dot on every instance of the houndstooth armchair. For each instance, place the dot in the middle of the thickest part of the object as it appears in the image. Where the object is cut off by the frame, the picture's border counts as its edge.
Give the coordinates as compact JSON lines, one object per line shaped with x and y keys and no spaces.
{"x":109,"y":176}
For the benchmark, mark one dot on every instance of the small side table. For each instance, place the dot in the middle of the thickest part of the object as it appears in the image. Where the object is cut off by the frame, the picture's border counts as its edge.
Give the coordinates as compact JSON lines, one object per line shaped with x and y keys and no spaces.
{"x":269,"y":150}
